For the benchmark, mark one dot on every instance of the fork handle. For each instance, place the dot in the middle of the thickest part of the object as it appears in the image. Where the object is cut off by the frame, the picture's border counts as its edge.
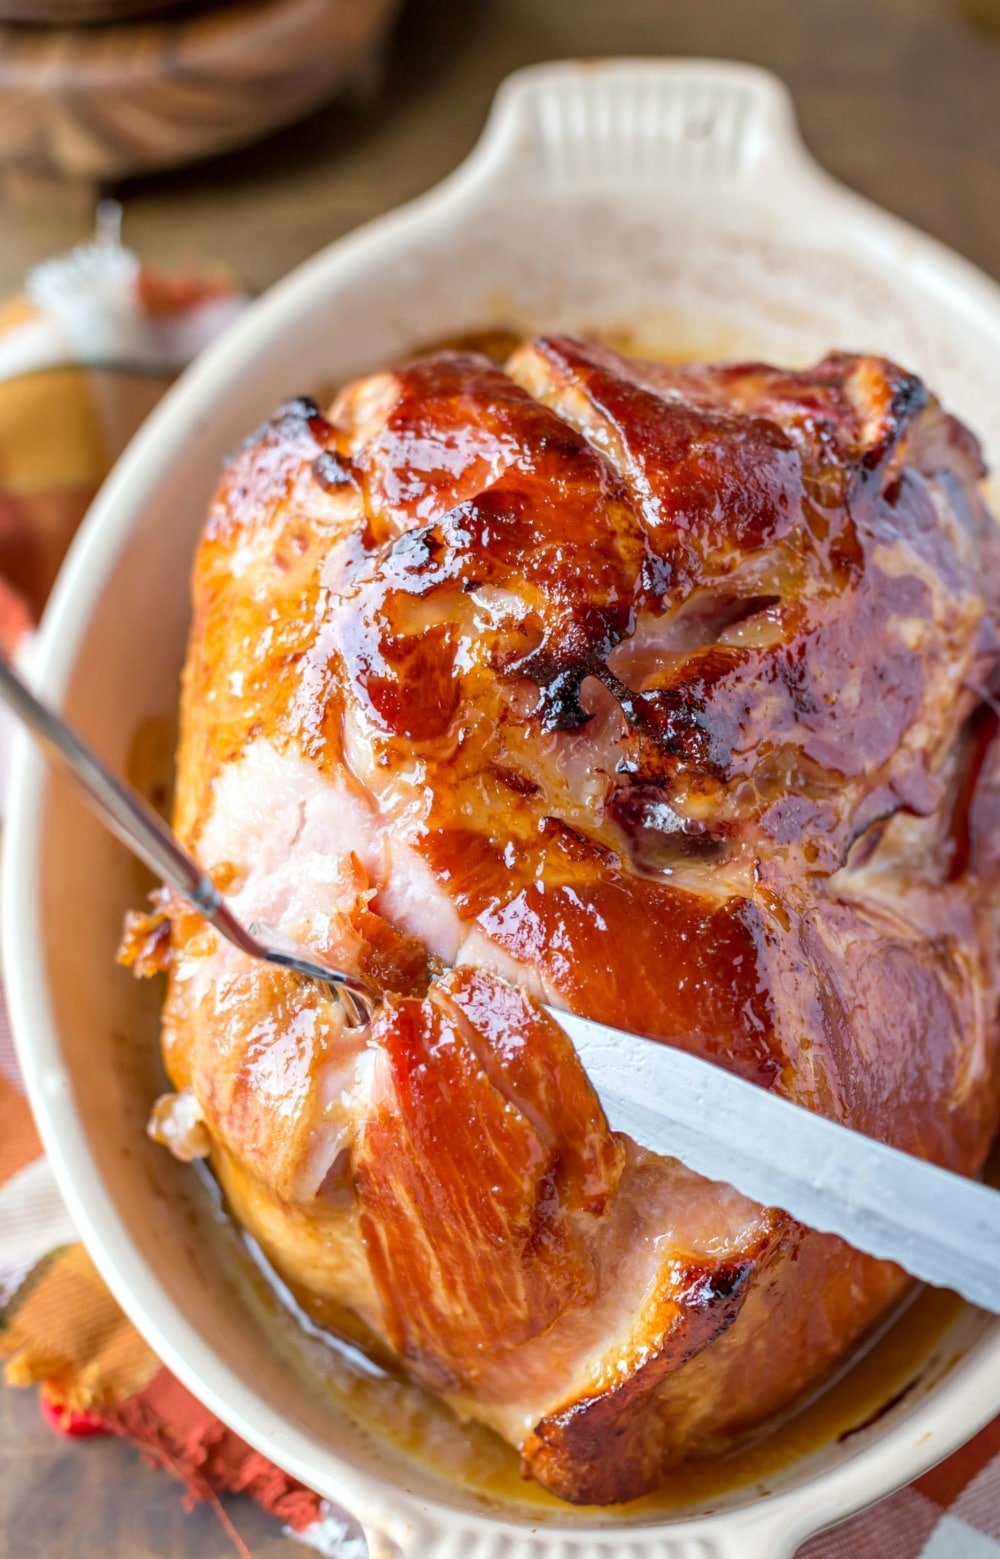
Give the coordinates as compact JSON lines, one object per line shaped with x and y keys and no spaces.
{"x":128,"y":815}
{"x":132,"y":820}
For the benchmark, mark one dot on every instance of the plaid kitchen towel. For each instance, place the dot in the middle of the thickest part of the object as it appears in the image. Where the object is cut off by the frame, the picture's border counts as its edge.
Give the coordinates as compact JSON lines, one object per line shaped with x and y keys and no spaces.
{"x":82,"y":359}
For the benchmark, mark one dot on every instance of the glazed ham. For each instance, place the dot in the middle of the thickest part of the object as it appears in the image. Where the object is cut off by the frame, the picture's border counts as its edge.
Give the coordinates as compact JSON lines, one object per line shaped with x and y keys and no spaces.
{"x":658,"y":694}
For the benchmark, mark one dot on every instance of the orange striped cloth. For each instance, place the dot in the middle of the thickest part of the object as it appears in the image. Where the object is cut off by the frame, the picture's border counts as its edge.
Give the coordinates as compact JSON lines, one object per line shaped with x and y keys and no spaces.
{"x":79,"y":367}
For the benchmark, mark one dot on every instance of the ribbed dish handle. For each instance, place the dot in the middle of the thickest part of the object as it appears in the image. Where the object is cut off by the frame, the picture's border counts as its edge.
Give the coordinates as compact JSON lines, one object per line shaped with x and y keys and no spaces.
{"x":644,"y":123}
{"x":751,"y":1534}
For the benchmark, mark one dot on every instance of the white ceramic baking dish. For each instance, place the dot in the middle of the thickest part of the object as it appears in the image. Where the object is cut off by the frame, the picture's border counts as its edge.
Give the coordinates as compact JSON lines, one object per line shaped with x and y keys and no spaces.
{"x":669,"y":202}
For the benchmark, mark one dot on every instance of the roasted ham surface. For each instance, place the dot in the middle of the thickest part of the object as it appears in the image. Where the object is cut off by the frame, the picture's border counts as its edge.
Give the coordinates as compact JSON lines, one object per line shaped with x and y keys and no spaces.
{"x":661,"y":694}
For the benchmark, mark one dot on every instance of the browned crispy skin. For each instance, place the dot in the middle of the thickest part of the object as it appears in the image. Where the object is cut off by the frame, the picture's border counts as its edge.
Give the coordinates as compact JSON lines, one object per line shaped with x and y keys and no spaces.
{"x":660,"y":692}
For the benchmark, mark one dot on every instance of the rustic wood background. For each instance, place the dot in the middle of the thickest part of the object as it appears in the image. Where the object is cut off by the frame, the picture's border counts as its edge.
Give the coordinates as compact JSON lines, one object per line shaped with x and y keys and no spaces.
{"x":898,"y":98}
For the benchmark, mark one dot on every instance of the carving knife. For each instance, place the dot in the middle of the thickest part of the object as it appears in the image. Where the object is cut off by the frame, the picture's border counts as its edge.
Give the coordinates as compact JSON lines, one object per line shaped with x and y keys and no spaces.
{"x":937,"y":1225}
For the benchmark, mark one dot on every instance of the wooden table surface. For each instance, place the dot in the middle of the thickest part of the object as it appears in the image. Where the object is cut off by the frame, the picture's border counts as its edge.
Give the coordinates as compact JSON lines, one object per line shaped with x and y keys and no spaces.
{"x":898,"y":98}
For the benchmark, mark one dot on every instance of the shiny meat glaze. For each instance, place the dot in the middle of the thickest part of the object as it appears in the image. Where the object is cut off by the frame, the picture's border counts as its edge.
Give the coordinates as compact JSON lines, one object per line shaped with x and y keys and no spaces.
{"x":660,"y":693}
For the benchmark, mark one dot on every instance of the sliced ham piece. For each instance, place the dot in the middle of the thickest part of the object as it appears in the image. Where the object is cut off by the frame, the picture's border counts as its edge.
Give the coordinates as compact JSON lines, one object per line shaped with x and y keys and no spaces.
{"x":663,"y":695}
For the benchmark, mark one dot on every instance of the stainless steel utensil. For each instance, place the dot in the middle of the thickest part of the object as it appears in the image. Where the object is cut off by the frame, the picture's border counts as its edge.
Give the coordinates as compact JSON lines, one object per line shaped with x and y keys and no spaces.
{"x":937,"y":1225}
{"x":132,"y":820}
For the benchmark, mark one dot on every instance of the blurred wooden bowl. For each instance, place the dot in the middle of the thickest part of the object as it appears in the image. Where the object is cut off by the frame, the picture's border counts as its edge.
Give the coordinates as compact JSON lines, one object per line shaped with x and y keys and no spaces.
{"x":95,"y":103}
{"x":74,"y":13}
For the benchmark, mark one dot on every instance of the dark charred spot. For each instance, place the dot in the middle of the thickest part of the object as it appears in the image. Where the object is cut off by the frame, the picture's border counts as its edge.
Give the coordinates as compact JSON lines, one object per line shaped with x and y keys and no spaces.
{"x":675,"y":720}
{"x":646,"y":806}
{"x":421,"y":561}
{"x":559,"y":702}
{"x":332,"y":471}
{"x":514,"y":780}
{"x":908,"y":398}
{"x":292,"y":417}
{"x":658,"y":837}
{"x":299,"y":407}
{"x":299,"y":414}
{"x":723,"y":1285}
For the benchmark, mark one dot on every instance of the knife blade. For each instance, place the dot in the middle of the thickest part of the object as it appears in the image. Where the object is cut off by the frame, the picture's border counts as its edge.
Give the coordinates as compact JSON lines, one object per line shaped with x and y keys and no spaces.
{"x":937,"y":1225}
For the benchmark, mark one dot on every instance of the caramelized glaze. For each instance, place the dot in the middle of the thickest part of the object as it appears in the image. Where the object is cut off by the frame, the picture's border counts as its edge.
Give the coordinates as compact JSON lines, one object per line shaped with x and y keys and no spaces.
{"x":657,"y":692}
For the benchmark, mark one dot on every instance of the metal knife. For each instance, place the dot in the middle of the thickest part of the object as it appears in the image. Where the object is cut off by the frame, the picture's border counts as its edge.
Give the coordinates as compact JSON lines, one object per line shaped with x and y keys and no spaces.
{"x":937,"y":1225}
